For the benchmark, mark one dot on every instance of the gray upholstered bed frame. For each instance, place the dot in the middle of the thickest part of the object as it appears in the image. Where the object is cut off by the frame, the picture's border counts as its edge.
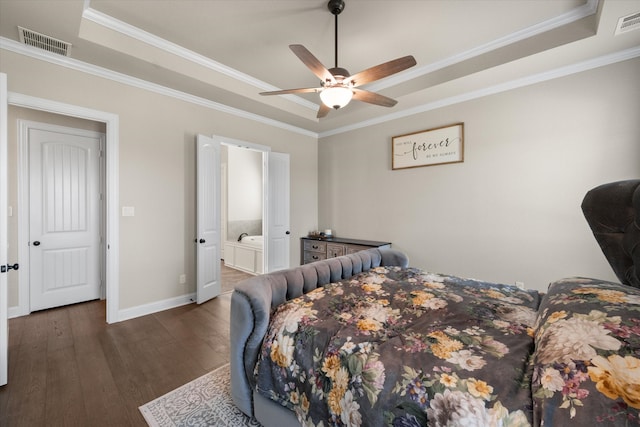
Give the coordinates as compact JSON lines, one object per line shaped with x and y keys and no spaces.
{"x":254,"y":300}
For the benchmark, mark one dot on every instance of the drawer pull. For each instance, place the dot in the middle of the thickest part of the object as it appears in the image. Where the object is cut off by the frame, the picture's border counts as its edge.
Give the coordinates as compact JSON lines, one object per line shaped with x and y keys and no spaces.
{"x":315,"y":246}
{"x":315,"y":257}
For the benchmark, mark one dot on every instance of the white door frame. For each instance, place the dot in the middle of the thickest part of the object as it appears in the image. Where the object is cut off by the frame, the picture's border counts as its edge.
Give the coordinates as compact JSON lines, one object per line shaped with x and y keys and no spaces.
{"x":4,"y":303}
{"x":111,"y":198}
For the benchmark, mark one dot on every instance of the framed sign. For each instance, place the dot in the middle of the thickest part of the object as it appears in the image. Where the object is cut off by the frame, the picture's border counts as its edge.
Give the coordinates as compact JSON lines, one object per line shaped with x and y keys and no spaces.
{"x":429,"y":147}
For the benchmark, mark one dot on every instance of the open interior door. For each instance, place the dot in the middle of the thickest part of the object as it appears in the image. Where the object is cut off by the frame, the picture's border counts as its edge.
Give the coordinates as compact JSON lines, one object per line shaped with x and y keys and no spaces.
{"x":208,"y":219}
{"x":278,"y":212}
{"x":4,"y":296}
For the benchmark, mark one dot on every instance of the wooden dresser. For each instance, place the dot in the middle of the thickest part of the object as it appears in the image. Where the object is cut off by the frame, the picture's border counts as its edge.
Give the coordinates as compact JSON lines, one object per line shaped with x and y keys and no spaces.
{"x":316,"y":249}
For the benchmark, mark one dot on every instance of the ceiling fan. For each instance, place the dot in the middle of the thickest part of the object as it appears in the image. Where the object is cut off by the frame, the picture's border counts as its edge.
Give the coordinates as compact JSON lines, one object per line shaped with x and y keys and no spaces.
{"x":337,"y":86}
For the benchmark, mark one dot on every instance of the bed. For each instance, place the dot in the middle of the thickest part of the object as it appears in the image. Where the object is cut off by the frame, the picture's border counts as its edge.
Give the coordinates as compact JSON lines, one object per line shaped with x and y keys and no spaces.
{"x":366,"y":340}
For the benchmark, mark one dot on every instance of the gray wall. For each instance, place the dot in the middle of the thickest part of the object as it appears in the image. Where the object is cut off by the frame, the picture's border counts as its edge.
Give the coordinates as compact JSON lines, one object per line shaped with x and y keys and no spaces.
{"x":511,"y":211}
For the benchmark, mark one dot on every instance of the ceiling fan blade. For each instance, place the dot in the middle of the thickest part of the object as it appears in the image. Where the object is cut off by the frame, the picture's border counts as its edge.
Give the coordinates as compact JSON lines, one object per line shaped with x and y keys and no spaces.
{"x":373,"y":98}
{"x":286,"y":91}
{"x":381,"y":71}
{"x":323,"y":111}
{"x":312,"y":63}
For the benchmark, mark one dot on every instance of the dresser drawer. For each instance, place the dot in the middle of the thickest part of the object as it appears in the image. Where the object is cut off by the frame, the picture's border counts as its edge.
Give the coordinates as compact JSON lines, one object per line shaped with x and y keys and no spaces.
{"x":313,"y":249}
{"x":334,"y":250}
{"x":315,"y":246}
{"x":352,"y":249}
{"x":313,"y":256}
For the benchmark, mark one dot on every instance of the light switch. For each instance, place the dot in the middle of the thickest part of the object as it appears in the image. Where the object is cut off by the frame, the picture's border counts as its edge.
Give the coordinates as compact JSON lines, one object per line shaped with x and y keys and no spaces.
{"x":128,"y":211}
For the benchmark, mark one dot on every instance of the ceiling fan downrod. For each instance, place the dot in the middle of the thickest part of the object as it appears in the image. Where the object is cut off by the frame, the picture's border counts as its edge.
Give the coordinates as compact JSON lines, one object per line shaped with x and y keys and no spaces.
{"x":336,"y":7}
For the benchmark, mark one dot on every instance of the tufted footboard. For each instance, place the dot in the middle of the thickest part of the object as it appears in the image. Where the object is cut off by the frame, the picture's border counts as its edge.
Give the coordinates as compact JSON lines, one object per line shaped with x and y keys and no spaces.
{"x":255,"y":298}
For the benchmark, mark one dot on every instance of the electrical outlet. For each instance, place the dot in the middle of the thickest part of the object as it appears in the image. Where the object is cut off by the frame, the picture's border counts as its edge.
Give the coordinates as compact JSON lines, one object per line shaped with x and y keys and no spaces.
{"x":128,"y":211}
{"x":183,"y":279}
{"x":520,"y":285}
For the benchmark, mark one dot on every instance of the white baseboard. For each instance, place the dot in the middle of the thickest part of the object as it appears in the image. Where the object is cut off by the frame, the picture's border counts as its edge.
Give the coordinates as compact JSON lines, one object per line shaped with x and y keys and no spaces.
{"x":129,"y":313}
{"x":154,"y":307}
{"x":16,"y":311}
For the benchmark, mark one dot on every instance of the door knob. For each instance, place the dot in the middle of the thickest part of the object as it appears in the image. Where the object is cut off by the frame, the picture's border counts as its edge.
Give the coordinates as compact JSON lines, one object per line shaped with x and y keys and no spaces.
{"x":36,"y":243}
{"x":202,"y":241}
{"x":5,"y":268}
{"x":287,"y":232}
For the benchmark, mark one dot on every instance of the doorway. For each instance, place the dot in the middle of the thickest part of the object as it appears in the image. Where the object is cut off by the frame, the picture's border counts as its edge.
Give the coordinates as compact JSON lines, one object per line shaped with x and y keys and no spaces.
{"x":64,"y":215}
{"x":110,"y":123}
{"x":275,"y":206}
{"x":242,"y":208}
{"x":275,"y":211}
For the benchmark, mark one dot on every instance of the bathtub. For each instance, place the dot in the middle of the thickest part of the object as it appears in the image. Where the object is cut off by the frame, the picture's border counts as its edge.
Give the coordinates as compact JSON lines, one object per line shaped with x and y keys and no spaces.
{"x":254,"y":241}
{"x":245,"y":255}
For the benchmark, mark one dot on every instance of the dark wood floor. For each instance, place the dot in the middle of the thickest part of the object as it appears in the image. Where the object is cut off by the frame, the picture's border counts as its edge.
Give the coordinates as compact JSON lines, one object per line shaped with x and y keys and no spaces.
{"x":67,"y":367}
{"x":231,"y":276}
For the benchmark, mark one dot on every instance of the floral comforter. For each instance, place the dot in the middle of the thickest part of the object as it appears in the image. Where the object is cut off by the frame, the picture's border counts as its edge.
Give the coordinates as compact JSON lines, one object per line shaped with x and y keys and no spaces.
{"x":401,"y":347}
{"x":587,"y":360}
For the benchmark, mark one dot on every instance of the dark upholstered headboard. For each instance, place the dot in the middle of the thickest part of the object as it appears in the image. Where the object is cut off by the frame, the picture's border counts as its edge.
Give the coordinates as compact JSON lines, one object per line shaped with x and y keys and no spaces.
{"x":613,"y":213}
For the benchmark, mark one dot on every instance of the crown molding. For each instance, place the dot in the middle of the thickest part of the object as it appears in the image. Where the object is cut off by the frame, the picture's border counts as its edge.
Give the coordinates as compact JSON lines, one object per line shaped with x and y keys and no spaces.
{"x":32,"y":52}
{"x":136,"y":33}
{"x":601,"y":61}
{"x":587,"y":9}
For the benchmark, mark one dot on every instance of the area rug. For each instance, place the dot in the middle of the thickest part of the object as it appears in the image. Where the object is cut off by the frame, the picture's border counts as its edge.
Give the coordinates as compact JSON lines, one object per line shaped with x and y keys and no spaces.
{"x":205,"y":401}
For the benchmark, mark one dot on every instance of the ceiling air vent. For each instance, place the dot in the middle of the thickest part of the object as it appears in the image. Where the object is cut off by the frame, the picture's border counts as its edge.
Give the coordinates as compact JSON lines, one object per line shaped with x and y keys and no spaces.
{"x":628,"y":23}
{"x":42,"y":41}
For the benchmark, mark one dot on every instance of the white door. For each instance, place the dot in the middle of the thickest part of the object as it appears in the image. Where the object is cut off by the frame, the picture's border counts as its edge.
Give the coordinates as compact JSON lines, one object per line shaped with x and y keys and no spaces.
{"x":4,"y":295}
{"x":208,"y":219}
{"x":64,"y":215}
{"x":278,"y":212}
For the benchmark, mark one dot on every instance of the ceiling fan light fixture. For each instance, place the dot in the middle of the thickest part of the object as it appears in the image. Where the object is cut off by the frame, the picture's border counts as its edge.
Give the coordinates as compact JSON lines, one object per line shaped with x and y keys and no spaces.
{"x":336,"y":96}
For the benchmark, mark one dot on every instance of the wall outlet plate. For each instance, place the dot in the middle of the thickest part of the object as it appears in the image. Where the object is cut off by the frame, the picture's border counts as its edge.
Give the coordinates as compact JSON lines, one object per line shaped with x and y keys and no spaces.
{"x":128,"y":211}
